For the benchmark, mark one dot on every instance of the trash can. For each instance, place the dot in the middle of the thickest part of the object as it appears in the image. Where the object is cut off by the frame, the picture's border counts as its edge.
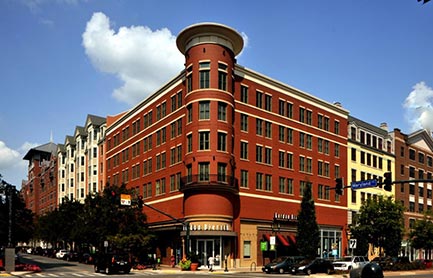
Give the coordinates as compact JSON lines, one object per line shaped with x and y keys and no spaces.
{"x":370,"y":270}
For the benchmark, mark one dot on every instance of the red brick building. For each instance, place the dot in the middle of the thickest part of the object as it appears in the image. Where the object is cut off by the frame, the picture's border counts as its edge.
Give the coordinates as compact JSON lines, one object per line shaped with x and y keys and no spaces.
{"x":40,"y":190}
{"x":413,"y":161}
{"x":228,"y":151}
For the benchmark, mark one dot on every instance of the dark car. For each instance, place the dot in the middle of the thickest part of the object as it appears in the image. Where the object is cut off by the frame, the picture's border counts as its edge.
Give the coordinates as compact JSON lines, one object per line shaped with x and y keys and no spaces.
{"x":112,"y":263}
{"x":85,"y":258}
{"x":281,"y":265}
{"x":313,"y":266}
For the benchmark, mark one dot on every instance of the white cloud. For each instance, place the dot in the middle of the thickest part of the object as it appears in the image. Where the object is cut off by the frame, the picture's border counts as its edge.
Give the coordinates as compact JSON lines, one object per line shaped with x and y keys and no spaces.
{"x":8,"y":156}
{"x":141,"y":58}
{"x":12,"y":166}
{"x":419,"y":107}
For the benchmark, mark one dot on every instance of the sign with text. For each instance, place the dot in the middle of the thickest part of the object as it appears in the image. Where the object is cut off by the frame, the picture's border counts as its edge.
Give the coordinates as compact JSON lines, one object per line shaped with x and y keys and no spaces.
{"x":352,"y":243}
{"x":125,"y":199}
{"x":363,"y":184}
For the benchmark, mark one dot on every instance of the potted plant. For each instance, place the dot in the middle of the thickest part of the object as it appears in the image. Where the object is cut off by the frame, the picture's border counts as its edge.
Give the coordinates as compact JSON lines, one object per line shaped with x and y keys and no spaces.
{"x":194,"y":261}
{"x":185,"y":264}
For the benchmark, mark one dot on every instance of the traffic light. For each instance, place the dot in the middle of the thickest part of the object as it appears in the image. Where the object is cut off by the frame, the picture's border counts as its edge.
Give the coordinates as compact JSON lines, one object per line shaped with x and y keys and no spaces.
{"x":339,"y":186}
{"x":140,"y":202}
{"x":388,"y":181}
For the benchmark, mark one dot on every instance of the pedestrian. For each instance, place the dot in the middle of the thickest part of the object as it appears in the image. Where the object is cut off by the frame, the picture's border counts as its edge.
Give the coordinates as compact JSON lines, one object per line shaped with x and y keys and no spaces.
{"x":211,"y":261}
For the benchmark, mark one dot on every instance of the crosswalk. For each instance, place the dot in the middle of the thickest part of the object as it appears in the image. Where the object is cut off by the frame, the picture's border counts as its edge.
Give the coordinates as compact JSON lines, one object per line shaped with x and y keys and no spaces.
{"x":74,"y":274}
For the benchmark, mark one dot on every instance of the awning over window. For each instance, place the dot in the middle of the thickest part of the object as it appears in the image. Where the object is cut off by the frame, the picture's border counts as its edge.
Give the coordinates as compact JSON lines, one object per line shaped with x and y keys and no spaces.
{"x":292,"y":239}
{"x":283,"y":240}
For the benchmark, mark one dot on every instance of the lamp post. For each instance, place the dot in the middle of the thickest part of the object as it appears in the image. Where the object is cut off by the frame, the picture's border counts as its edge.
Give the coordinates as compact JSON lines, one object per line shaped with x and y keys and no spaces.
{"x":275,"y":226}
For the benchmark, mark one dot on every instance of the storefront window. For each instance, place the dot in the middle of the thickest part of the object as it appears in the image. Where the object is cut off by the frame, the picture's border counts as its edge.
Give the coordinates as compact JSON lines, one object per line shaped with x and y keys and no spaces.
{"x":247,"y":249}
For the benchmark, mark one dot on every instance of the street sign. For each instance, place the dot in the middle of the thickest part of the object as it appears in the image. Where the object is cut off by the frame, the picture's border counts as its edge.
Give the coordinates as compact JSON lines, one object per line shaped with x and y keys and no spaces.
{"x":363,"y":184}
{"x":125,"y":199}
{"x":272,"y":240}
{"x":352,"y":243}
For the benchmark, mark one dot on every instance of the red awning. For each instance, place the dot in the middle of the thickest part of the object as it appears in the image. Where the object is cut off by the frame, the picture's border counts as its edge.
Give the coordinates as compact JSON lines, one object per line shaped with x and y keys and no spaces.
{"x":283,"y":240}
{"x":267,"y":236}
{"x":292,"y":239}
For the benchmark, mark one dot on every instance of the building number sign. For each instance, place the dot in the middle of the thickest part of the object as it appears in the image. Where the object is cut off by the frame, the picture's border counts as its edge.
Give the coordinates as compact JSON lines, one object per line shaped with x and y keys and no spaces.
{"x":352,"y":243}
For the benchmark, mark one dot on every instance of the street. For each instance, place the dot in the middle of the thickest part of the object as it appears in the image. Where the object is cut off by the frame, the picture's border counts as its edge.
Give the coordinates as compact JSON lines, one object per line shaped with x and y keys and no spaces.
{"x":54,"y":268}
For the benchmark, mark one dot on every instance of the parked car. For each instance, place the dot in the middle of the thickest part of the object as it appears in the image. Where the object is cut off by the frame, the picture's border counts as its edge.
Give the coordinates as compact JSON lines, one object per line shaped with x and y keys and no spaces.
{"x":313,"y":266}
{"x":71,"y":256}
{"x":112,"y":263}
{"x":348,"y":263}
{"x":62,"y":253}
{"x":281,"y":265}
{"x":85,"y":258}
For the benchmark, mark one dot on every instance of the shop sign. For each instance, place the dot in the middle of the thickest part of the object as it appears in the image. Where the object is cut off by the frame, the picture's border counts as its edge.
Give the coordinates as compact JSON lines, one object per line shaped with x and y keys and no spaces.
{"x":264,"y":246}
{"x":209,"y":227}
{"x":285,"y":217}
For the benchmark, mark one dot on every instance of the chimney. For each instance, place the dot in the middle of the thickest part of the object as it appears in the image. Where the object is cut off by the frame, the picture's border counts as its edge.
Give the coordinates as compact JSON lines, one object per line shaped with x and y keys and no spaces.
{"x":384,"y":126}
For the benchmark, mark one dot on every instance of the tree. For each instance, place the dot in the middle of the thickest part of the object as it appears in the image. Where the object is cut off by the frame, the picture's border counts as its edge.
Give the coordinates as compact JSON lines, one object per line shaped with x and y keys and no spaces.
{"x":380,"y":223}
{"x":308,"y":234}
{"x":421,"y":235}
{"x":22,"y":218}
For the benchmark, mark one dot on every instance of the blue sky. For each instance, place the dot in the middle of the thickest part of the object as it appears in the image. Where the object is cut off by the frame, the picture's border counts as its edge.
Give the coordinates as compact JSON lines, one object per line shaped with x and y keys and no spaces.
{"x":64,"y":59}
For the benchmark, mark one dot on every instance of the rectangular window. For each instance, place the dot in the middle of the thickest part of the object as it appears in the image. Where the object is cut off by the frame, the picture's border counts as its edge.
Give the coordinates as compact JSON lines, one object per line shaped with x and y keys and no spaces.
{"x":289,"y":110}
{"x":244,"y":150}
{"x":309,"y":117}
{"x":189,"y":113}
{"x":337,"y":127}
{"x":244,"y":122}
{"x":259,"y":154}
{"x":281,"y":107}
{"x":268,"y":102}
{"x":203,"y":168}
{"x":189,"y":80}
{"x":268,"y":182}
{"x":204,"y":140}
{"x":281,"y":135}
{"x":222,"y":80}
{"x":204,"y":75}
{"x":222,"y":111}
{"x":301,"y":114}
{"x":289,"y":160}
{"x":268,"y":129}
{"x":244,"y":94}
{"x":259,"y":126}
{"x":222,"y":141}
{"x":247,"y":249}
{"x":244,"y":178}
{"x":259,"y":99}
{"x":189,"y":143}
{"x":289,"y":134}
{"x":268,"y":155}
{"x":259,"y":181}
{"x":204,"y":110}
{"x":222,"y":172}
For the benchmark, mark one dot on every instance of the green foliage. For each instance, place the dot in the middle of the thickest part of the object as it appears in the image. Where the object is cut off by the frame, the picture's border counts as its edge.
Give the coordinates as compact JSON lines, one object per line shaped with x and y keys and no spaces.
{"x":22,"y":218}
{"x":308,"y":234}
{"x":380,"y":223}
{"x":421,"y":236}
{"x":101,"y":218}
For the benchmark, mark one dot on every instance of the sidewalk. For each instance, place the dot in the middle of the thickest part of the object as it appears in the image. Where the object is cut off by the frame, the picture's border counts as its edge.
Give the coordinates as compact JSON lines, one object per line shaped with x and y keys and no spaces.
{"x":169,"y":269}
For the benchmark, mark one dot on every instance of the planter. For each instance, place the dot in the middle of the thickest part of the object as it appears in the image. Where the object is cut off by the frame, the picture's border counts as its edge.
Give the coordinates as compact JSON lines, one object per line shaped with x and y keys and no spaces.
{"x":194,"y":266}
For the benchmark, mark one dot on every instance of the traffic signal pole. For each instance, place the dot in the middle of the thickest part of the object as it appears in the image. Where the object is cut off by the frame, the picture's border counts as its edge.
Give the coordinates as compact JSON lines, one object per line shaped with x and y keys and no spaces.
{"x":185,"y":225}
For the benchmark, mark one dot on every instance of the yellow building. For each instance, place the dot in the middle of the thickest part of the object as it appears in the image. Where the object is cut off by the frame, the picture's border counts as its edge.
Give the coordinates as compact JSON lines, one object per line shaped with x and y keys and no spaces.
{"x":370,"y":154}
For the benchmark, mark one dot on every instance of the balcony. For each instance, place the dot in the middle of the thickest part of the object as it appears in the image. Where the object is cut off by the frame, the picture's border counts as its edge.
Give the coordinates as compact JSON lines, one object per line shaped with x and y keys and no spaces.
{"x":209,"y":183}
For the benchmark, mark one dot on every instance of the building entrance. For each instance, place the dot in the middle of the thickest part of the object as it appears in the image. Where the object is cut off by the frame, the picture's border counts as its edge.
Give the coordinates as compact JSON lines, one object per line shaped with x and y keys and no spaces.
{"x":206,"y":248}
